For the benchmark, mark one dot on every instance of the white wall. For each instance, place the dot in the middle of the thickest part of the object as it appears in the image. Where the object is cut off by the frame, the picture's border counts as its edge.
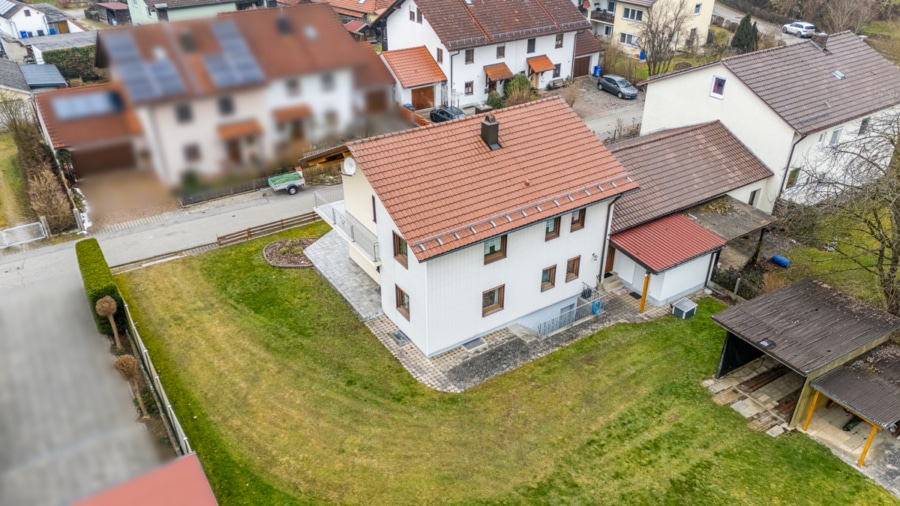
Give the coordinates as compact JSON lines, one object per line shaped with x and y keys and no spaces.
{"x":320,"y":102}
{"x":666,"y":286}
{"x":20,"y":22}
{"x":742,"y":194}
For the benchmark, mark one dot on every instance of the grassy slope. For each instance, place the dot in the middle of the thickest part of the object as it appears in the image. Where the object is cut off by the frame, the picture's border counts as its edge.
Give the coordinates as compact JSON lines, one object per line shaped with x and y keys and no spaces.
{"x":13,"y":194}
{"x":288,"y":399}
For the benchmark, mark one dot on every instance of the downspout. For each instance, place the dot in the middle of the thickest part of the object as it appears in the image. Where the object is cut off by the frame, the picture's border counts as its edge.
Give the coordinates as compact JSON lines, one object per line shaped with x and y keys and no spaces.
{"x":604,"y":251}
{"x":787,"y":168}
{"x":712,"y":261}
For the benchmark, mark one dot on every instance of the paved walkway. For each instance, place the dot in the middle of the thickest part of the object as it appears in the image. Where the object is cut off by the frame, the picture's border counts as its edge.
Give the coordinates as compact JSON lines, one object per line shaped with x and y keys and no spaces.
{"x":330,"y":257}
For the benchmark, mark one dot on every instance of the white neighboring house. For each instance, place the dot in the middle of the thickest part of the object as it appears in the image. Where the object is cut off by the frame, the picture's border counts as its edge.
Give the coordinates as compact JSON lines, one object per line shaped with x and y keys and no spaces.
{"x":784,"y":104}
{"x":480,"y":44}
{"x":21,"y":21}
{"x":467,"y":232}
{"x":145,"y":12}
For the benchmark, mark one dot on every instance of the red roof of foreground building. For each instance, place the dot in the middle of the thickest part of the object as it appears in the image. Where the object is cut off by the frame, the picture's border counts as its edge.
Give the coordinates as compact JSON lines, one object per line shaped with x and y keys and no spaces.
{"x":181,"y":482}
{"x":667,"y":242}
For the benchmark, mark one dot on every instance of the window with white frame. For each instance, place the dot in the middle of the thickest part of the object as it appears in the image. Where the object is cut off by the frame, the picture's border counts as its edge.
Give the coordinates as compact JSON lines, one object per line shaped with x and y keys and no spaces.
{"x":718,"y":87}
{"x":697,"y":9}
{"x":607,"y":30}
{"x":633,"y":14}
{"x":628,"y":39}
{"x":836,"y":135}
{"x":821,"y":138}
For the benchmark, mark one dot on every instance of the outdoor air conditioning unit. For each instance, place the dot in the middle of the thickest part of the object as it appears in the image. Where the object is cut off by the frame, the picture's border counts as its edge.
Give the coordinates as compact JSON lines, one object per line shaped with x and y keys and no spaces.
{"x":684,"y":308}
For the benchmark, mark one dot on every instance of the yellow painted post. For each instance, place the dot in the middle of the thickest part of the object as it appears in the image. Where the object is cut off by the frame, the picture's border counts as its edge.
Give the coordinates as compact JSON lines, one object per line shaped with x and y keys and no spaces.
{"x":812,"y":407}
{"x":644,"y":293}
{"x":868,"y":444}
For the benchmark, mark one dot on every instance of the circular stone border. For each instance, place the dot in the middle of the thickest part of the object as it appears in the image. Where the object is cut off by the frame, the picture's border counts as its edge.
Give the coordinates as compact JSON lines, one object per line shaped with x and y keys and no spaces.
{"x":270,"y":253}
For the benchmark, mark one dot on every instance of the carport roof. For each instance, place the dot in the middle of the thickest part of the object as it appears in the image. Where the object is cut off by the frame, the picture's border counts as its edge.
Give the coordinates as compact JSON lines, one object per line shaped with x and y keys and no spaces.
{"x":666,"y":242}
{"x":869,"y":385}
{"x":807,"y":325}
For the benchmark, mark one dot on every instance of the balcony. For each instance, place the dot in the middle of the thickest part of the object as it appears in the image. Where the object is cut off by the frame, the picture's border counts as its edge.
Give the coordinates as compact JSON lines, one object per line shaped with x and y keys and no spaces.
{"x":330,"y":207}
{"x":602,"y":16}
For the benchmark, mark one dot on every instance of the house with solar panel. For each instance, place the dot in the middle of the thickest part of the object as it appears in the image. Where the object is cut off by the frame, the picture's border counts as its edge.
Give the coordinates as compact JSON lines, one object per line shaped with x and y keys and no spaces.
{"x":786,"y":104}
{"x":478,"y":45}
{"x":210,"y":97}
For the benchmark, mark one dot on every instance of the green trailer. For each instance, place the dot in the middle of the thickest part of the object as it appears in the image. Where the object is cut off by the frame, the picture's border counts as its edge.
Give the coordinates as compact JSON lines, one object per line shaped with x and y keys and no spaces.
{"x":292,"y":182}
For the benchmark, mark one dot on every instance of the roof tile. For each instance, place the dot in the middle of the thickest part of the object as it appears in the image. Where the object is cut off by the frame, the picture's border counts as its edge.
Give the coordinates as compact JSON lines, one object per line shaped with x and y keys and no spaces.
{"x":667,"y":242}
{"x":414,"y":66}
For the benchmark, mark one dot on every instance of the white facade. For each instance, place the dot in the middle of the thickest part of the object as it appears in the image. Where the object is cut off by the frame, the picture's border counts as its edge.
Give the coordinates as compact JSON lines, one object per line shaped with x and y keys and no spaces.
{"x":28,"y":20}
{"x":669,"y":285}
{"x":141,"y":14}
{"x":404,"y":33}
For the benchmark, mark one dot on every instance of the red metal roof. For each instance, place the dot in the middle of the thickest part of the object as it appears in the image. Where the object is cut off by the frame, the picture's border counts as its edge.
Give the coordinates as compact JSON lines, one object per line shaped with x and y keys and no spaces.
{"x":181,"y":482}
{"x":667,"y":242}
{"x":354,"y":26}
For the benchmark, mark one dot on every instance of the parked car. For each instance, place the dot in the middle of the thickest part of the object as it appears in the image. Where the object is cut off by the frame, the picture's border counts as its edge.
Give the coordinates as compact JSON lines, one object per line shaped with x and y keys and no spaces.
{"x":446,"y":114}
{"x":800,"y":29}
{"x":618,"y":86}
{"x":556,"y":83}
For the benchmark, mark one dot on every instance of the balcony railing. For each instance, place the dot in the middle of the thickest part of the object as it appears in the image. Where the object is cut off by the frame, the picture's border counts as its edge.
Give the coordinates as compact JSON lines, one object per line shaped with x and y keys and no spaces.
{"x":330,"y":207}
{"x":602,"y":16}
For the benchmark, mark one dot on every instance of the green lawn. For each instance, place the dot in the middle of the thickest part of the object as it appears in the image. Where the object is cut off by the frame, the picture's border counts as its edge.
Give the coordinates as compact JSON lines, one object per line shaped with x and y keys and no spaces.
{"x":14,"y":206}
{"x":288,"y":399}
{"x":832,"y":268}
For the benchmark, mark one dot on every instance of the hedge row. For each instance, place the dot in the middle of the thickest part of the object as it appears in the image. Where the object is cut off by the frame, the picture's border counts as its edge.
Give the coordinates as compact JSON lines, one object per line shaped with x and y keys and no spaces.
{"x":98,"y":283}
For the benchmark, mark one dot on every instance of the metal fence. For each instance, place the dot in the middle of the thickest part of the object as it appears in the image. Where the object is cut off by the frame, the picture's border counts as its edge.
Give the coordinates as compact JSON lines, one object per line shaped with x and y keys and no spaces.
{"x":330,"y":206}
{"x":203,"y":196}
{"x":181,"y":440}
{"x":22,"y":234}
{"x":583,"y":309}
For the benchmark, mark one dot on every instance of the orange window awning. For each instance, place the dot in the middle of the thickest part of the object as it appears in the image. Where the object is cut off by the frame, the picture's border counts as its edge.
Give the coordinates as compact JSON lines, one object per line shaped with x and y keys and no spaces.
{"x":288,"y":114}
{"x":240,"y":129}
{"x":498,"y":72}
{"x":540,"y":64}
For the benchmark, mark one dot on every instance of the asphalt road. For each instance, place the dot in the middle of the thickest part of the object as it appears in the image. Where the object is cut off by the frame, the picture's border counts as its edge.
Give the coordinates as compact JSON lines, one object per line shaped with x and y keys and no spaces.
{"x":735,"y":16}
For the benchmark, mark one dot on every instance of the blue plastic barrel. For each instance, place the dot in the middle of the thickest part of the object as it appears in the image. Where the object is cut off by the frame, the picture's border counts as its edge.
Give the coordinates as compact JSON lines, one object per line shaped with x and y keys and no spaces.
{"x":643,"y":55}
{"x":409,"y":106}
{"x":780,"y":261}
{"x":597,"y":70}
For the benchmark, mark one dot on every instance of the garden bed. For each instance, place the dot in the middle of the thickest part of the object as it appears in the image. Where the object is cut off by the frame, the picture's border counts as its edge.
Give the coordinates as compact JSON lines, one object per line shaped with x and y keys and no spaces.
{"x":288,"y":252}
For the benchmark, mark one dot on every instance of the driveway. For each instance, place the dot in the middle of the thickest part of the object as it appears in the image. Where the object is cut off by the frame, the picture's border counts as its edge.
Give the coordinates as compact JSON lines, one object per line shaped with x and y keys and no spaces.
{"x":735,"y":16}
{"x":603,"y":112}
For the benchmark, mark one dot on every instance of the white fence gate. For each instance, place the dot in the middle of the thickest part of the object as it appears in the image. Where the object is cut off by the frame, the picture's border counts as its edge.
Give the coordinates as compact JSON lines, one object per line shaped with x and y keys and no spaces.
{"x":22,"y":234}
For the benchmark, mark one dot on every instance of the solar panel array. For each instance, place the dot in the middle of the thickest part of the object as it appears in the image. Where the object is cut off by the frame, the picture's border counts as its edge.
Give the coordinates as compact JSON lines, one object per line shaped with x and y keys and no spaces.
{"x":235,"y":65}
{"x":87,"y":105}
{"x":143,"y":80}
{"x":6,"y":6}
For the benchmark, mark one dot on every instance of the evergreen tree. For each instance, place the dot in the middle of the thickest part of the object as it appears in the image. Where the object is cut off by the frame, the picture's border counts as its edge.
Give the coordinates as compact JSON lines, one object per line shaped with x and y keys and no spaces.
{"x":746,"y":38}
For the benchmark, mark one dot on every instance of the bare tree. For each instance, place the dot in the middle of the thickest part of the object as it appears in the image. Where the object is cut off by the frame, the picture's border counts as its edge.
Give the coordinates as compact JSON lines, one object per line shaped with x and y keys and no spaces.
{"x":662,"y":30}
{"x":840,"y":15}
{"x":106,"y":307}
{"x":855,"y":191}
{"x":128,"y":367}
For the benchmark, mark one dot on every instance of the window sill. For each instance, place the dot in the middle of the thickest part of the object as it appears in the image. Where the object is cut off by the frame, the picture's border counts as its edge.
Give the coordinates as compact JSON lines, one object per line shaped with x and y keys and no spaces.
{"x":489,"y":259}
{"x":720,"y":97}
{"x":402,"y":260}
{"x":544,"y":288}
{"x":551,"y":237}
{"x":571,"y":277}
{"x":403,"y":311}
{"x":576,"y":226}
{"x":490,"y":310}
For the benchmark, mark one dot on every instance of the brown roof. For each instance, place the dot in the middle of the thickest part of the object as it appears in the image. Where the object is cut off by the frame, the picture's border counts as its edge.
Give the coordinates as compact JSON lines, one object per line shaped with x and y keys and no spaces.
{"x":474,"y":193}
{"x":540,"y":63}
{"x":667,"y":242}
{"x":460,"y":25}
{"x":799,"y":84}
{"x":414,"y":66}
{"x":680,"y":168}
{"x":587,"y":43}
{"x":72,"y":132}
{"x":181,"y":481}
{"x":290,"y":113}
{"x":807,"y":325}
{"x":498,"y":72}
{"x":246,"y":128}
{"x":355,"y":25}
{"x":360,"y":8}
{"x":114,"y":6}
{"x":373,"y":71}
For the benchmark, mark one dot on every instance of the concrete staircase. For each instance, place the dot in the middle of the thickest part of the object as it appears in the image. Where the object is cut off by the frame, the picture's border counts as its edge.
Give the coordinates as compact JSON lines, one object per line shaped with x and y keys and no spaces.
{"x":612,"y":284}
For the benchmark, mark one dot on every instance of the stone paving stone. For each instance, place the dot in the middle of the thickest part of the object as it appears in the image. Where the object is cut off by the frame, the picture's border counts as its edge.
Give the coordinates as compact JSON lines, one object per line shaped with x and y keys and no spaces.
{"x":331,"y":259}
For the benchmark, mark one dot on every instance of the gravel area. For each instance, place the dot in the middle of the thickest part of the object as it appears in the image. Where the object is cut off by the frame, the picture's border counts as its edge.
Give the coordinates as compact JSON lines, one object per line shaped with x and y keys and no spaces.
{"x":603,"y":111}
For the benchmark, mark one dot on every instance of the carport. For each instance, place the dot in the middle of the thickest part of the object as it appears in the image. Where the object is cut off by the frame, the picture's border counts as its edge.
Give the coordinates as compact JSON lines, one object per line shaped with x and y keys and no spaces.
{"x":808,"y":327}
{"x":868,"y":387}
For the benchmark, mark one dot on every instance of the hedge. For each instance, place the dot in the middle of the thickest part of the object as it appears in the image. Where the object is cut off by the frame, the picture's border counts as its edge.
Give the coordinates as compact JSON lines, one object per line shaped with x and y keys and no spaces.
{"x":98,"y":283}
{"x":73,"y":63}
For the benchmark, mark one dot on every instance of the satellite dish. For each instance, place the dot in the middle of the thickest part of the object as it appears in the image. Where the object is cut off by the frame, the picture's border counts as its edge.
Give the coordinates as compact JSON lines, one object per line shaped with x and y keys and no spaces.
{"x":349,"y":166}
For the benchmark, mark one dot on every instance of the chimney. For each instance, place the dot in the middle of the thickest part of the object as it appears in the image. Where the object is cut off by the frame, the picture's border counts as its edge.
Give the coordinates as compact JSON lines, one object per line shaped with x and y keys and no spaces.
{"x":490,"y":132}
{"x":821,"y":40}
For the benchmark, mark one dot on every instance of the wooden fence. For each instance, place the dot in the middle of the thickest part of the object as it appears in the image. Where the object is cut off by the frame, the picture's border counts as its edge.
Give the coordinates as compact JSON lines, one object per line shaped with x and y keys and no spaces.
{"x":267,"y":229}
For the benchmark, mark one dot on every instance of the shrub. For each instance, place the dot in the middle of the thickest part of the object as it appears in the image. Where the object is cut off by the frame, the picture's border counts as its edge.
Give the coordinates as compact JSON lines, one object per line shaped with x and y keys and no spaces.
{"x":494,"y":100}
{"x":98,"y":283}
{"x":752,"y":280}
{"x":49,"y":199}
{"x":519,"y":86}
{"x":73,"y":63}
{"x":746,"y":38}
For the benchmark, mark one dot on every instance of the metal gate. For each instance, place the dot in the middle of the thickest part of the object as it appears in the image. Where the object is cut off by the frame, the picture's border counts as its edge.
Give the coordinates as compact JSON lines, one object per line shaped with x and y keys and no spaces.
{"x":22,"y":234}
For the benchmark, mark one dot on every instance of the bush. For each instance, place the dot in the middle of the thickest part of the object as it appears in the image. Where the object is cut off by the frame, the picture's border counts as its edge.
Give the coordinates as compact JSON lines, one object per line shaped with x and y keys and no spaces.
{"x":518,"y":90}
{"x":48,"y":199}
{"x":74,"y":63}
{"x":752,"y":280}
{"x":98,"y":283}
{"x":494,"y":100}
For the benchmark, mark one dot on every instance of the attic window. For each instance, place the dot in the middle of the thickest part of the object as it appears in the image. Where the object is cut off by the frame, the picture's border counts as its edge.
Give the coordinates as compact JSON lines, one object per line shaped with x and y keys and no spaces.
{"x":468,"y":2}
{"x":838,"y":74}
{"x":187,"y":42}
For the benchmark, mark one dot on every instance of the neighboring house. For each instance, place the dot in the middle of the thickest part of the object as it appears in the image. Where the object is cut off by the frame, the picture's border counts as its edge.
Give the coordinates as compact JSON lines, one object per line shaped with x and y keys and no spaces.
{"x":479,"y":44}
{"x":785,"y":104}
{"x":622,"y":21}
{"x":145,"y":12}
{"x":362,"y":17}
{"x":19,"y":21}
{"x":58,"y":21}
{"x":419,"y":78}
{"x":13,"y":84}
{"x":657,"y":251}
{"x":587,"y":54}
{"x":43,"y":77}
{"x":36,"y":46}
{"x":212,"y":97}
{"x":113,"y":13}
{"x":465,"y":228}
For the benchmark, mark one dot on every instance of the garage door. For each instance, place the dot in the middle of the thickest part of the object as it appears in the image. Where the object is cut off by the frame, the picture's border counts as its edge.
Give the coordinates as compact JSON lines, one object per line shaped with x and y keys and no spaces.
{"x":99,"y":160}
{"x":423,"y":98}
{"x":582,"y":66}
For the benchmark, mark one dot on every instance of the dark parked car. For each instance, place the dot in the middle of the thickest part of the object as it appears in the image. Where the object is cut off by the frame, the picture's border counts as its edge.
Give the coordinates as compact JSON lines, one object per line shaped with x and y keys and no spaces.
{"x":618,"y":86}
{"x":446,"y":114}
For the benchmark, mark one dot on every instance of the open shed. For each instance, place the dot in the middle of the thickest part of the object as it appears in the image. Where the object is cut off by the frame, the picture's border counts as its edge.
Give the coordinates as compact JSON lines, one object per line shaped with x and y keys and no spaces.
{"x":808,"y":327}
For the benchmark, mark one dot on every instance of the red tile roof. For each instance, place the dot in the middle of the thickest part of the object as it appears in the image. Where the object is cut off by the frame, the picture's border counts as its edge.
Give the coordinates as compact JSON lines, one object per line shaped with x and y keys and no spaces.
{"x":498,"y":71}
{"x":181,"y":482}
{"x":357,"y":8}
{"x":414,"y":66}
{"x":355,"y":25}
{"x":68,"y":133}
{"x":445,"y":189}
{"x":540,"y":63}
{"x":667,"y":242}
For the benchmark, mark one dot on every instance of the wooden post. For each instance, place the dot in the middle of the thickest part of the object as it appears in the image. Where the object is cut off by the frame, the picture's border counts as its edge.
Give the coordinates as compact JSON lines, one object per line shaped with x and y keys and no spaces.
{"x":812,"y":407}
{"x":249,"y":234}
{"x":644,"y":293}
{"x":866,"y":448}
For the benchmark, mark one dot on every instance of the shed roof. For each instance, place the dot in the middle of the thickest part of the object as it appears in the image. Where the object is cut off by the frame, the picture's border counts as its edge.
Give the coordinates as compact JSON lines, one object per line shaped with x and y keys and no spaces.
{"x":728,"y":217}
{"x":62,"y":40}
{"x":869,"y":385}
{"x":51,"y":12}
{"x":43,"y":76}
{"x":667,"y":242}
{"x":807,"y":325}
{"x":414,"y":66}
{"x":587,"y":43}
{"x":114,"y":6}
{"x":446,"y":189}
{"x":680,"y":168}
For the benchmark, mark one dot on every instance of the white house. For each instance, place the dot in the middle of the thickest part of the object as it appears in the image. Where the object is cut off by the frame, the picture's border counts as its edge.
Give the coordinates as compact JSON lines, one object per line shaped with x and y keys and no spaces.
{"x":784,"y":104}
{"x":622,"y":20}
{"x":467,"y":232}
{"x":480,"y":44}
{"x":20,"y":21}
{"x":145,"y":12}
{"x":660,"y":246}
{"x":419,"y":78}
{"x":242,"y":109}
